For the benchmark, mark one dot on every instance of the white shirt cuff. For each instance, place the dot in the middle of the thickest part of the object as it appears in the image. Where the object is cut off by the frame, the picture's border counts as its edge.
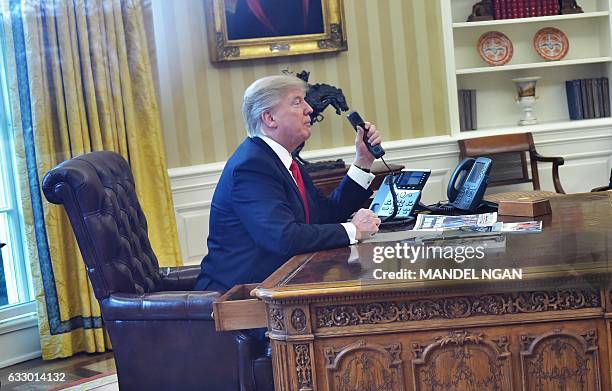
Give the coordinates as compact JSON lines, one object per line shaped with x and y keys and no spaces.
{"x":351,"y":231}
{"x":354,"y":255}
{"x":363,"y":179}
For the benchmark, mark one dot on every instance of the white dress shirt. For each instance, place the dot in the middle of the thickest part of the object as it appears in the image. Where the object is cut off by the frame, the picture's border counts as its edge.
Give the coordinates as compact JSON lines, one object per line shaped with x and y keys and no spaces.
{"x":362,"y":178}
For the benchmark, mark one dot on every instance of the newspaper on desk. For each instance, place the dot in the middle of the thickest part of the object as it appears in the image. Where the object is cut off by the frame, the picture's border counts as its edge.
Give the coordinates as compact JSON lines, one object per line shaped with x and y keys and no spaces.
{"x":484,"y":222}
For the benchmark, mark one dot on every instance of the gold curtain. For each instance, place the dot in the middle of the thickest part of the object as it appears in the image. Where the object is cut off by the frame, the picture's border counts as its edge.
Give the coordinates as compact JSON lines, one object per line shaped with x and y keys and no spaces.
{"x":80,"y":79}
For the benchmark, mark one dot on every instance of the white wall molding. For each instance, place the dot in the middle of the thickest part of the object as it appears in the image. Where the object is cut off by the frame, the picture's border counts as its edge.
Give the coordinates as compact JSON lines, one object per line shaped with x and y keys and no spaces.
{"x":586,"y":148}
{"x":571,"y":136}
{"x":193,"y":206}
{"x":18,"y":323}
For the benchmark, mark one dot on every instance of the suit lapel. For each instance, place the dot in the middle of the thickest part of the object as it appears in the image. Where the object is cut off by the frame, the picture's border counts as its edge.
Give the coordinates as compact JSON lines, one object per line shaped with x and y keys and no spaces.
{"x":281,"y":167}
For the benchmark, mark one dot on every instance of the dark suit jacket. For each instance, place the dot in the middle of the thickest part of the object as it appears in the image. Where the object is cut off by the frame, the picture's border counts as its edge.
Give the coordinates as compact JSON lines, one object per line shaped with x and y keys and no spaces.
{"x":257,"y":219}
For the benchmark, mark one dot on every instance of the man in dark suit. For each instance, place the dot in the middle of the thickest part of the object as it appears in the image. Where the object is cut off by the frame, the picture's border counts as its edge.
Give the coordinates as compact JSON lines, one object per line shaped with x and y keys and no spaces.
{"x":265,"y":208}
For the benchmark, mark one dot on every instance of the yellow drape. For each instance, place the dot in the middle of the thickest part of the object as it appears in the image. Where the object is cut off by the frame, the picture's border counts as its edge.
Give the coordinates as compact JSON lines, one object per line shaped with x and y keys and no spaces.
{"x":80,"y":79}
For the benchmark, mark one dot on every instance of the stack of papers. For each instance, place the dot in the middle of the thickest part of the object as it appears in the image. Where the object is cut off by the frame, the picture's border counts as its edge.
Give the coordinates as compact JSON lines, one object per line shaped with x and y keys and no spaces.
{"x":484,"y":222}
{"x":477,"y":222}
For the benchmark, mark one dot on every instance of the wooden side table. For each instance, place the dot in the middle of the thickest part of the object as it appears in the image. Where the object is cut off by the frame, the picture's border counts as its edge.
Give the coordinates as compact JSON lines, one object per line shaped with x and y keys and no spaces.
{"x":328,"y":180}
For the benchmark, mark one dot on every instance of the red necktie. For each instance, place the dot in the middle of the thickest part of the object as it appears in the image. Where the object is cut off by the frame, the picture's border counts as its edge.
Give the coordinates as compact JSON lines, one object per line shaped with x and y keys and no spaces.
{"x":297,"y":175}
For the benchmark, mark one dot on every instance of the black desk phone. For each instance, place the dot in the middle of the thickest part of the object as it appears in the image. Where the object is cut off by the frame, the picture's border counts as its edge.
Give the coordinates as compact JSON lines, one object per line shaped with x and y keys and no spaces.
{"x":468,"y":183}
{"x":408,"y":185}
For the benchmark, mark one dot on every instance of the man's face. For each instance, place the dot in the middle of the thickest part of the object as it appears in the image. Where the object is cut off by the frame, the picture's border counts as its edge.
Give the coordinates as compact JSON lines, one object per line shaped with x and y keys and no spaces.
{"x":291,"y":117}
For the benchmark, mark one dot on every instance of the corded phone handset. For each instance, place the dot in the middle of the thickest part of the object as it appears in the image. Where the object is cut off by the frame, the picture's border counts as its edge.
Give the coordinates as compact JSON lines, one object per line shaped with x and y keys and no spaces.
{"x":468,"y":183}
{"x":408,"y":186}
{"x":355,"y":119}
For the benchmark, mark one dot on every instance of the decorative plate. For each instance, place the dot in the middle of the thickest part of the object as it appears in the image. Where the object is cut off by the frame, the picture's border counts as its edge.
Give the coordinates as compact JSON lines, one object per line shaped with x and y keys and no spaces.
{"x":495,"y":48}
{"x":551,"y":43}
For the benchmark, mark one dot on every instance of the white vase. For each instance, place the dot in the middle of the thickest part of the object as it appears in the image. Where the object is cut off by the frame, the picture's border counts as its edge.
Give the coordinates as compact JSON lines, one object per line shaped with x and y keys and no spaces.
{"x":529,"y":117}
{"x":526,"y":97}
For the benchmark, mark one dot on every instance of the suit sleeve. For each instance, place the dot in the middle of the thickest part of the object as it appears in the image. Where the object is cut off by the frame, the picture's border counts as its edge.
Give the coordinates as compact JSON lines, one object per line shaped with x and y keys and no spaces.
{"x":345,"y":200}
{"x":260,"y":200}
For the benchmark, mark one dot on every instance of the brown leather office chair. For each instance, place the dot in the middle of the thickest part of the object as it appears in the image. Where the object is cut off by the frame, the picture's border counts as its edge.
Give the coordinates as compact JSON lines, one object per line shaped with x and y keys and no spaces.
{"x":509,"y":154}
{"x":162,"y":332}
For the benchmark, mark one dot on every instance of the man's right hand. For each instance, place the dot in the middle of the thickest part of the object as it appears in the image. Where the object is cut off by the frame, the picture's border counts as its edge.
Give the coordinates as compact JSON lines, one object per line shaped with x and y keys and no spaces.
{"x":366,"y":223}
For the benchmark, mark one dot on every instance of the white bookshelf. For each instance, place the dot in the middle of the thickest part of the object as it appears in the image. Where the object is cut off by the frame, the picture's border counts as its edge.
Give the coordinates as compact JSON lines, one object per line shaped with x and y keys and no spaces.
{"x":551,"y":18}
{"x":589,"y":56}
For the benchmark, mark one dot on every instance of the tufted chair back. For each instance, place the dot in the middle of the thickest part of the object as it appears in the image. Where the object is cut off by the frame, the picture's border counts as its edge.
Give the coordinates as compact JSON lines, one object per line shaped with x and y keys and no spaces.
{"x":98,"y":192}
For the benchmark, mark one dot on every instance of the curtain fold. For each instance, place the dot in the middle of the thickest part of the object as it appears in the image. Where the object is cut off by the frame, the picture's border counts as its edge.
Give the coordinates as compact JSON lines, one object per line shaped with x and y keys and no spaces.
{"x":79,"y":78}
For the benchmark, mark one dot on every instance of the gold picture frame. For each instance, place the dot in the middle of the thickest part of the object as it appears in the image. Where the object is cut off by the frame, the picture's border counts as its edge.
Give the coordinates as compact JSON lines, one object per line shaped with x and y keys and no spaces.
{"x":241,"y":29}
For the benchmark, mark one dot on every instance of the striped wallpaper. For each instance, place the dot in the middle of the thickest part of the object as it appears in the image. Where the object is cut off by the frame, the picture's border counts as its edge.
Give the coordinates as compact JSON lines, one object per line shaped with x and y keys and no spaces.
{"x":392,"y":73}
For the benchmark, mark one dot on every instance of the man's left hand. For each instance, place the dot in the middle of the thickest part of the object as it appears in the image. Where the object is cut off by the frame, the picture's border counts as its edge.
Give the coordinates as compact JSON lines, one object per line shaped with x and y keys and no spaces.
{"x":363,"y":157}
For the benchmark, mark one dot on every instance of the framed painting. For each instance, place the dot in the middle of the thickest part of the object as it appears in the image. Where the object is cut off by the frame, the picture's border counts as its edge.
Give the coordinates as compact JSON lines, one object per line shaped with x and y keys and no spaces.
{"x":246,"y":29}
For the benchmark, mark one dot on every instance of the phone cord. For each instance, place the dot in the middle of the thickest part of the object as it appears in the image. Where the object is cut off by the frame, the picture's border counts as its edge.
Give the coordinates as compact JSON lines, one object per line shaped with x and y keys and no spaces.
{"x":389,"y":180}
{"x":441,"y":208}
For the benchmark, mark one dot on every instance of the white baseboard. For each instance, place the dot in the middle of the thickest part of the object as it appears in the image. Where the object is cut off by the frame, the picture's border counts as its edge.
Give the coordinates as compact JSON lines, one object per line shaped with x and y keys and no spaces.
{"x":19,"y":339}
{"x":24,"y":357}
{"x":587,"y":153}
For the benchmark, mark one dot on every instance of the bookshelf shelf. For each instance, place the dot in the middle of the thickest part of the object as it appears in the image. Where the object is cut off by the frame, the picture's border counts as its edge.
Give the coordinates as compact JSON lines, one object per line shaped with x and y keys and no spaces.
{"x":553,"y":18}
{"x":589,"y":57}
{"x":535,"y":65}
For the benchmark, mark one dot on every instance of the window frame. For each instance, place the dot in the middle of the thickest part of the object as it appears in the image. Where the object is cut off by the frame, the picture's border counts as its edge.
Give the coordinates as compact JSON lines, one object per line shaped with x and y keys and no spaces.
{"x":20,"y":288}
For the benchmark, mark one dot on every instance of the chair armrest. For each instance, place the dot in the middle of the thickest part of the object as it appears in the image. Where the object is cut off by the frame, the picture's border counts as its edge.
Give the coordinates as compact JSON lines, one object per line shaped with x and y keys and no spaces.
{"x":556,"y":161}
{"x":548,"y":159}
{"x":182,"y":278}
{"x":159,"y":306}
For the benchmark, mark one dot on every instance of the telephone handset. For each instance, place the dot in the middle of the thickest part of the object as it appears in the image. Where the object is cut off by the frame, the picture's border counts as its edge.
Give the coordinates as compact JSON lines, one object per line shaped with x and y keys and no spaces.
{"x":408,"y":185}
{"x":355,"y":119}
{"x":468,"y":183}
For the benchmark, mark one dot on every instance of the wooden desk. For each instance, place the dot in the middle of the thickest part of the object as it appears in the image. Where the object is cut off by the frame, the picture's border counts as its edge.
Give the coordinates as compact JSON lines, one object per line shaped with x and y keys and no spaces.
{"x":328,"y":180}
{"x":334,"y":327}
